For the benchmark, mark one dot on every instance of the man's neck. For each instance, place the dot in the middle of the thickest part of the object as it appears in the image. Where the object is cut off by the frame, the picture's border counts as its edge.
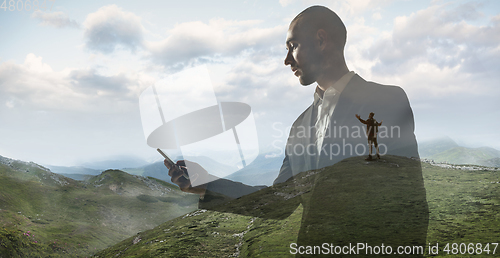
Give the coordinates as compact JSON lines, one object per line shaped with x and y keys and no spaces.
{"x":331,"y":76}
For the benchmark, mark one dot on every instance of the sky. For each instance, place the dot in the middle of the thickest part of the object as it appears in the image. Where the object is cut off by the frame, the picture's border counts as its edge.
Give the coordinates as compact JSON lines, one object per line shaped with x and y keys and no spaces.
{"x":72,"y":73}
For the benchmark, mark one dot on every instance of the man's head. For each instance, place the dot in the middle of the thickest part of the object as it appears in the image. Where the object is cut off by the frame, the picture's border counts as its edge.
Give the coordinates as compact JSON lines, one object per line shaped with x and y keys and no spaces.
{"x":315,"y":42}
{"x":371,"y":115}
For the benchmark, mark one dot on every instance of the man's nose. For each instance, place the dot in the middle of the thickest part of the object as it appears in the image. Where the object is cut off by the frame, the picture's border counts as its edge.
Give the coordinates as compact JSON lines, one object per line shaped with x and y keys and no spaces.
{"x":289,"y":58}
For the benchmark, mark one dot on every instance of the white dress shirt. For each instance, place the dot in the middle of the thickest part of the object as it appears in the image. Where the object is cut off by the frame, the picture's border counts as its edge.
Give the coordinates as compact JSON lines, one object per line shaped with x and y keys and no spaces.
{"x":324,"y":105}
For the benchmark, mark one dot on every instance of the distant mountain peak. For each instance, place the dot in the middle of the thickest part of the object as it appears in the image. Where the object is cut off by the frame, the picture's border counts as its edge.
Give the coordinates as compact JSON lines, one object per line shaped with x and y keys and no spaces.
{"x":9,"y":162}
{"x":446,"y":150}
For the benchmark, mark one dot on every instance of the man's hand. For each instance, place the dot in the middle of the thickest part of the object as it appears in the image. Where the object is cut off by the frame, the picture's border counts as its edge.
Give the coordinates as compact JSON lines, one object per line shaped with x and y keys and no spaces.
{"x":198,"y":176}
{"x":358,"y":117}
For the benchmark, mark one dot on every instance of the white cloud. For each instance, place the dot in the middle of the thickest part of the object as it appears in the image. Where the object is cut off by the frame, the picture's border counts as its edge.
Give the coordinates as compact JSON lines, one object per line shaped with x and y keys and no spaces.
{"x":11,"y":103}
{"x":441,"y":46}
{"x":358,"y":32}
{"x":110,"y":28}
{"x":438,"y":34}
{"x":349,"y":8}
{"x":286,"y":2}
{"x":190,"y":43}
{"x":37,"y":86}
{"x":377,"y":16}
{"x":194,"y":42}
{"x":55,"y":19}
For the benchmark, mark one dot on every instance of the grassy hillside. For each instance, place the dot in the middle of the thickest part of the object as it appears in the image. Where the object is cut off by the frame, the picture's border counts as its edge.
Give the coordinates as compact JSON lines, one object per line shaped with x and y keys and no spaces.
{"x":427,"y":149}
{"x":464,"y":205}
{"x":47,"y":215}
{"x":494,"y":162}
{"x":464,"y":208}
{"x":446,"y":150}
{"x":262,"y":171}
{"x":462,"y":155}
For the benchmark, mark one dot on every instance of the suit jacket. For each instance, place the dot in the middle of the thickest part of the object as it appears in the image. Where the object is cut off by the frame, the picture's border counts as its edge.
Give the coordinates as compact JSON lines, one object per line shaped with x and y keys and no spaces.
{"x":346,"y":136}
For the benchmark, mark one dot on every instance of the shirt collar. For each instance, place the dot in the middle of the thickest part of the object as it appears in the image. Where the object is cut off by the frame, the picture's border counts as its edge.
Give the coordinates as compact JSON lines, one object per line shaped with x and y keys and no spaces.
{"x":336,"y":88}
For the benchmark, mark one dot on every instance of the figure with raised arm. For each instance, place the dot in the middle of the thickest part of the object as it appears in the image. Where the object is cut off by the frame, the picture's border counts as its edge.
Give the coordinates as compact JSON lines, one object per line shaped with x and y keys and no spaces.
{"x":371,"y":132}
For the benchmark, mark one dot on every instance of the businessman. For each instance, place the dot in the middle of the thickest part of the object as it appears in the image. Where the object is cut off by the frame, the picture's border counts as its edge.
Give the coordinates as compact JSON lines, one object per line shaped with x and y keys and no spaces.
{"x":315,"y":44}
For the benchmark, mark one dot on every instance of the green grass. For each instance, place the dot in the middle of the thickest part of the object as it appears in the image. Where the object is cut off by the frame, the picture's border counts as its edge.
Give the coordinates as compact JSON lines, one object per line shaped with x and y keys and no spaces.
{"x":464,"y":208}
{"x":77,"y":219}
{"x":102,"y":217}
{"x":464,"y":205}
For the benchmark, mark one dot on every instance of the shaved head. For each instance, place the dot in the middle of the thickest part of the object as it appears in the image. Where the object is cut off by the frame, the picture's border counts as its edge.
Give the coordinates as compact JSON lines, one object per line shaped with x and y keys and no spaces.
{"x":317,"y":17}
{"x":315,"y":45}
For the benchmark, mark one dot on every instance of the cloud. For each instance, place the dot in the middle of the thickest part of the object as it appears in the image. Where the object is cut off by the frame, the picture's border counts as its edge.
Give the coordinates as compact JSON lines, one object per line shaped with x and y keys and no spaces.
{"x":110,"y":28}
{"x":88,"y":80}
{"x":11,"y":103}
{"x":187,"y":44}
{"x":377,"y":16}
{"x":286,"y":2}
{"x":344,"y":8}
{"x":195,"y":42}
{"x":55,"y":19}
{"x":35,"y":85}
{"x":439,"y":35}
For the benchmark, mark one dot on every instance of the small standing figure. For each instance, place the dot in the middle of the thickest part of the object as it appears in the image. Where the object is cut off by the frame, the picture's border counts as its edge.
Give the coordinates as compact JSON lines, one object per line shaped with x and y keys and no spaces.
{"x":371,"y":131}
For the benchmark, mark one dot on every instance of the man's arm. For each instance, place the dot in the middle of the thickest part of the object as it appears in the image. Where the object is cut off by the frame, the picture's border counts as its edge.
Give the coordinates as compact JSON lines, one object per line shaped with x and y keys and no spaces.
{"x":199,"y":181}
{"x":361,"y":120}
{"x":217,"y":194}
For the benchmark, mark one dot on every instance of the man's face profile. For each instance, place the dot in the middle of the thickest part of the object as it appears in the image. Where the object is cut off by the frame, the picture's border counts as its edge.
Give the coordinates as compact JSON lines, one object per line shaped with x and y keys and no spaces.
{"x":301,"y":53}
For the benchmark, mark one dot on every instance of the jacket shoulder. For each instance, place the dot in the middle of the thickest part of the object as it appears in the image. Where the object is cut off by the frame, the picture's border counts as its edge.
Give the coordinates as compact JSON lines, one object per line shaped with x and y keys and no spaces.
{"x":299,"y":119}
{"x":367,"y":91}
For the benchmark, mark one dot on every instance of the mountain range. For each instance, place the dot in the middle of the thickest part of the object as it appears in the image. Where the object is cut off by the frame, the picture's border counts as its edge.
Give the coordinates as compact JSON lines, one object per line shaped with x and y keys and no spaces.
{"x":264,"y":169}
{"x":448,"y":151}
{"x":46,"y":214}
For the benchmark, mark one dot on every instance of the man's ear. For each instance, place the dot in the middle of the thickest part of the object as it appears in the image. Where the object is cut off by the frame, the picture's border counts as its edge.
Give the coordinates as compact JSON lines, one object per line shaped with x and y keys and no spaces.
{"x":321,"y":38}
